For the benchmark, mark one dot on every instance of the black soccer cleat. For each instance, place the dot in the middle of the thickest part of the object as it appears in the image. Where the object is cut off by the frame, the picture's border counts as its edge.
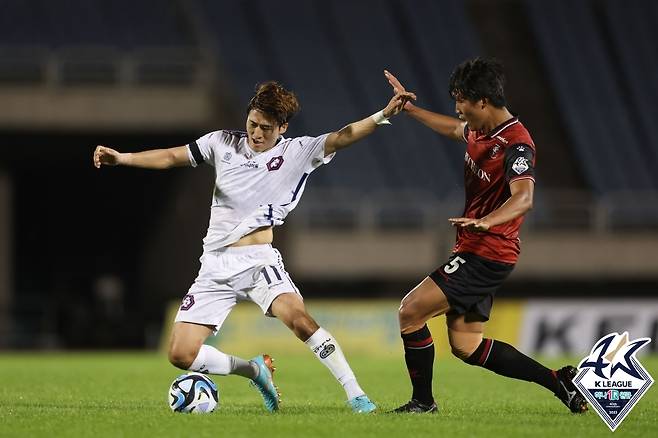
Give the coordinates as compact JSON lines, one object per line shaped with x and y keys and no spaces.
{"x":567,"y":392}
{"x":416,"y":407}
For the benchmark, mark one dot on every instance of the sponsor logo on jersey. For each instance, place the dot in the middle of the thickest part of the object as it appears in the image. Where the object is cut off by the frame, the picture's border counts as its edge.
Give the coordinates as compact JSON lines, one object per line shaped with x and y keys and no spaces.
{"x":188,"y":301}
{"x":250,"y":164}
{"x":520,"y":165}
{"x":612,"y":379}
{"x":494,"y":151}
{"x":502,"y":139}
{"x":275,"y":163}
{"x":520,"y":148}
{"x":484,"y":176}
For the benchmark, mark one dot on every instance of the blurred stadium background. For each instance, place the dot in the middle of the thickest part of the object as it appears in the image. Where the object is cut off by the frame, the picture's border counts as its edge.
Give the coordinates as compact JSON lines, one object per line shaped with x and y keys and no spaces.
{"x":93,"y":259}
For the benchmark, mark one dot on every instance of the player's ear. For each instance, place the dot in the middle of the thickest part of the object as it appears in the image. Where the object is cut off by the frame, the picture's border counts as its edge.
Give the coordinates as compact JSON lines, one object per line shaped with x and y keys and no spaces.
{"x":283,"y":128}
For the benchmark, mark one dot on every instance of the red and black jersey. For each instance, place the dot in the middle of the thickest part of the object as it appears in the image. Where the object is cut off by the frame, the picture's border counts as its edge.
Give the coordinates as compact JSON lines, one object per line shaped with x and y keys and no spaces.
{"x":493,"y":161}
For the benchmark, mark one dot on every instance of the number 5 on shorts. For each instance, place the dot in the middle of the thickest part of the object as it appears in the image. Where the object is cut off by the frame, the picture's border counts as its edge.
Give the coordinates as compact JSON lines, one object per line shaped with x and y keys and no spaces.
{"x":451,"y":267}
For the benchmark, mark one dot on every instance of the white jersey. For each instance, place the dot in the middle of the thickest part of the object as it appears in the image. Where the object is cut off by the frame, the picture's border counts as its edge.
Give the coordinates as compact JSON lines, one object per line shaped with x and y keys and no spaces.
{"x":253,"y":189}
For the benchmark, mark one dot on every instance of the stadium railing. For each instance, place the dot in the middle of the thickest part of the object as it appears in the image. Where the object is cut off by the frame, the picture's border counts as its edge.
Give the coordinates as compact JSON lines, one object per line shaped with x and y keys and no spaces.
{"x":568,"y":210}
{"x":105,"y":66}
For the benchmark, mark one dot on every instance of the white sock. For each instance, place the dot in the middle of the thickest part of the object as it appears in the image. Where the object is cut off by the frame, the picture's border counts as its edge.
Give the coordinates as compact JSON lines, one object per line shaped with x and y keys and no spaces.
{"x":211,"y":360}
{"x":328,"y":351}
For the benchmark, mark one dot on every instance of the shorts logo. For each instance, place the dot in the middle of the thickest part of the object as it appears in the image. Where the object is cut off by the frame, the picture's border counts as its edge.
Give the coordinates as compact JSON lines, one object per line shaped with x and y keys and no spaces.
{"x":275,"y":163}
{"x":327,"y":350}
{"x":612,"y":379}
{"x":188,"y":301}
{"x":520,"y":165}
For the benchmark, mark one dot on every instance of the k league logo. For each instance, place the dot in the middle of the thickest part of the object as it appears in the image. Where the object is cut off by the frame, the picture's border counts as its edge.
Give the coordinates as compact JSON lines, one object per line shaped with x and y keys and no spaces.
{"x":612,"y":379}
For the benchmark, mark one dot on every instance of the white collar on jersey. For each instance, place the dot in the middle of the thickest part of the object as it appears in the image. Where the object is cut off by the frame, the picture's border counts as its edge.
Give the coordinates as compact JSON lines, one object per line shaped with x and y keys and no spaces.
{"x":250,"y":153}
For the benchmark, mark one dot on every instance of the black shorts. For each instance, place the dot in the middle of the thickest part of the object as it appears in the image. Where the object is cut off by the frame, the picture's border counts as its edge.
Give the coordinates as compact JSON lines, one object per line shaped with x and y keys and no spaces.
{"x":470,"y":283}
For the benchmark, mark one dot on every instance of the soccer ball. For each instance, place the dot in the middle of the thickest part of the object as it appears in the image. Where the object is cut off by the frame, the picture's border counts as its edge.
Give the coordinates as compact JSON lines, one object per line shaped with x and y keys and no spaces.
{"x":193,"y":392}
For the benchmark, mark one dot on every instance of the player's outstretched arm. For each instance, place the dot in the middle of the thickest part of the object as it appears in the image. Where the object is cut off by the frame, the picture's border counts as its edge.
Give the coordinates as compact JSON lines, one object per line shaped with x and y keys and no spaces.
{"x":518,"y":204}
{"x":357,"y":130}
{"x":153,"y":159}
{"x":451,"y":127}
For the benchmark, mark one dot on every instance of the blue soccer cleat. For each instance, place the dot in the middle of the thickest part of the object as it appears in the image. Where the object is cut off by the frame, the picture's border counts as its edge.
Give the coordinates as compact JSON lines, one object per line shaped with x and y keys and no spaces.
{"x":263,"y":381}
{"x":361,"y":404}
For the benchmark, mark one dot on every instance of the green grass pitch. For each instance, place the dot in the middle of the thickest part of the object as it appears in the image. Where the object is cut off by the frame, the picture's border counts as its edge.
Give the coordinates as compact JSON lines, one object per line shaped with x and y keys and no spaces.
{"x":125,"y":394}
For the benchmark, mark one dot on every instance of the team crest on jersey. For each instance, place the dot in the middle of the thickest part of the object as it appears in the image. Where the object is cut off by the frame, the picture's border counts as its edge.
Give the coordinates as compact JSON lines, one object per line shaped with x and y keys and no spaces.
{"x":612,"y":379}
{"x":275,"y":163}
{"x":494,"y":151}
{"x":227,"y":157}
{"x":520,"y":165}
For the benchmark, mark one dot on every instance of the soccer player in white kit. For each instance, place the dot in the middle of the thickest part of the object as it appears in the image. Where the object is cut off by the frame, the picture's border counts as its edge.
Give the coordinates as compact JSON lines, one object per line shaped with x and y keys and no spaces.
{"x":260,"y":177}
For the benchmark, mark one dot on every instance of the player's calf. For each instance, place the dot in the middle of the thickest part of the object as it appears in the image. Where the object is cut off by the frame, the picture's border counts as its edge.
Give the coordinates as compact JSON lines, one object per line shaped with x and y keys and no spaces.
{"x":303,"y":326}
{"x":507,"y":361}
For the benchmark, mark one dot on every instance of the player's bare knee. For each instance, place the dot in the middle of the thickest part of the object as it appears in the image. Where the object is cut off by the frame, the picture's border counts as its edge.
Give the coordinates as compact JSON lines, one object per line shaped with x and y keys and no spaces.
{"x":409,"y":316}
{"x":463,"y":345}
{"x":460,"y":352}
{"x":182,"y":357}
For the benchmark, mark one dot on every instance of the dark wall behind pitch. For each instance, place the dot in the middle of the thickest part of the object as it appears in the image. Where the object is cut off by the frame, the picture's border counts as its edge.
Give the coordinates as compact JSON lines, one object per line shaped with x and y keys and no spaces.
{"x":81,"y":234}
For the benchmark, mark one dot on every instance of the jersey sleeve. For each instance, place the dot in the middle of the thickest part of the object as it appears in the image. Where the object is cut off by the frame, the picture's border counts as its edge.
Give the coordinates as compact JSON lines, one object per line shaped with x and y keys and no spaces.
{"x":519,"y":162}
{"x":311,"y":150}
{"x":202,"y":149}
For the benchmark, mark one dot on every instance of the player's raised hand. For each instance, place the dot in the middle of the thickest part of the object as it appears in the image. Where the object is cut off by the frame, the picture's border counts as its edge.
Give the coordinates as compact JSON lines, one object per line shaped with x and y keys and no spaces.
{"x":477,"y":225}
{"x":397,"y":87}
{"x":397,"y":103}
{"x":106,"y":156}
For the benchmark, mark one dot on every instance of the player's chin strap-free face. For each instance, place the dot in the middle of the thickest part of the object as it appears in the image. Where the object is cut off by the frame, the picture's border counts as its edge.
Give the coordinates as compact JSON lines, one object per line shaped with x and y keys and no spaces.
{"x":263,"y":132}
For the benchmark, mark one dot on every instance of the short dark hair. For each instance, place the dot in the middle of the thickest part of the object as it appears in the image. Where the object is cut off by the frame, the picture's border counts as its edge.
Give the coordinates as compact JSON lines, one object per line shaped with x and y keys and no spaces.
{"x":477,"y":79}
{"x":275,"y":101}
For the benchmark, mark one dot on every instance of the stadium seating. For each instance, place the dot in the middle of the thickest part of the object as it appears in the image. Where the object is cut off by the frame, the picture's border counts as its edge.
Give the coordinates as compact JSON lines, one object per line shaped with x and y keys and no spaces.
{"x":606,"y":122}
{"x":121,"y":23}
{"x":335,"y":65}
{"x":91,"y":38}
{"x":598,"y":59}
{"x":636,"y":58}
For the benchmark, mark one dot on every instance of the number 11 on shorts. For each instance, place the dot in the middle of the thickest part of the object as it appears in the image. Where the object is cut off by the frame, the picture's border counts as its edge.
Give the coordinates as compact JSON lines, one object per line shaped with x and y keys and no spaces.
{"x":453,"y":265}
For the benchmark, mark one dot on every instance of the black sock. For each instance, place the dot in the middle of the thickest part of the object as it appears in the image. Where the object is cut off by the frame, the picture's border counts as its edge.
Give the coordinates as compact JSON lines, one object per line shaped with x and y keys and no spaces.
{"x":419,"y":356}
{"x":503,"y":359}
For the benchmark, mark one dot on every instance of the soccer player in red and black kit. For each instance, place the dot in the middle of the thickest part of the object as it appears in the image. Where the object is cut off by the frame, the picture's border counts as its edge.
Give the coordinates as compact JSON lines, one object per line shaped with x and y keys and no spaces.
{"x":499,"y":181}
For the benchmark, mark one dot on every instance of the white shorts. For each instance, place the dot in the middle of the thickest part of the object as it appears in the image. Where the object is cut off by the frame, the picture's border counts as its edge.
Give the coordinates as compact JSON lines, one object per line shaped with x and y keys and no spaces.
{"x":228,"y":275}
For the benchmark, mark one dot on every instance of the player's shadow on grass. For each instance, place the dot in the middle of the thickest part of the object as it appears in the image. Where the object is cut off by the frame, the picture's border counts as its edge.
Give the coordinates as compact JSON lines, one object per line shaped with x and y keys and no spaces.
{"x":286,"y":409}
